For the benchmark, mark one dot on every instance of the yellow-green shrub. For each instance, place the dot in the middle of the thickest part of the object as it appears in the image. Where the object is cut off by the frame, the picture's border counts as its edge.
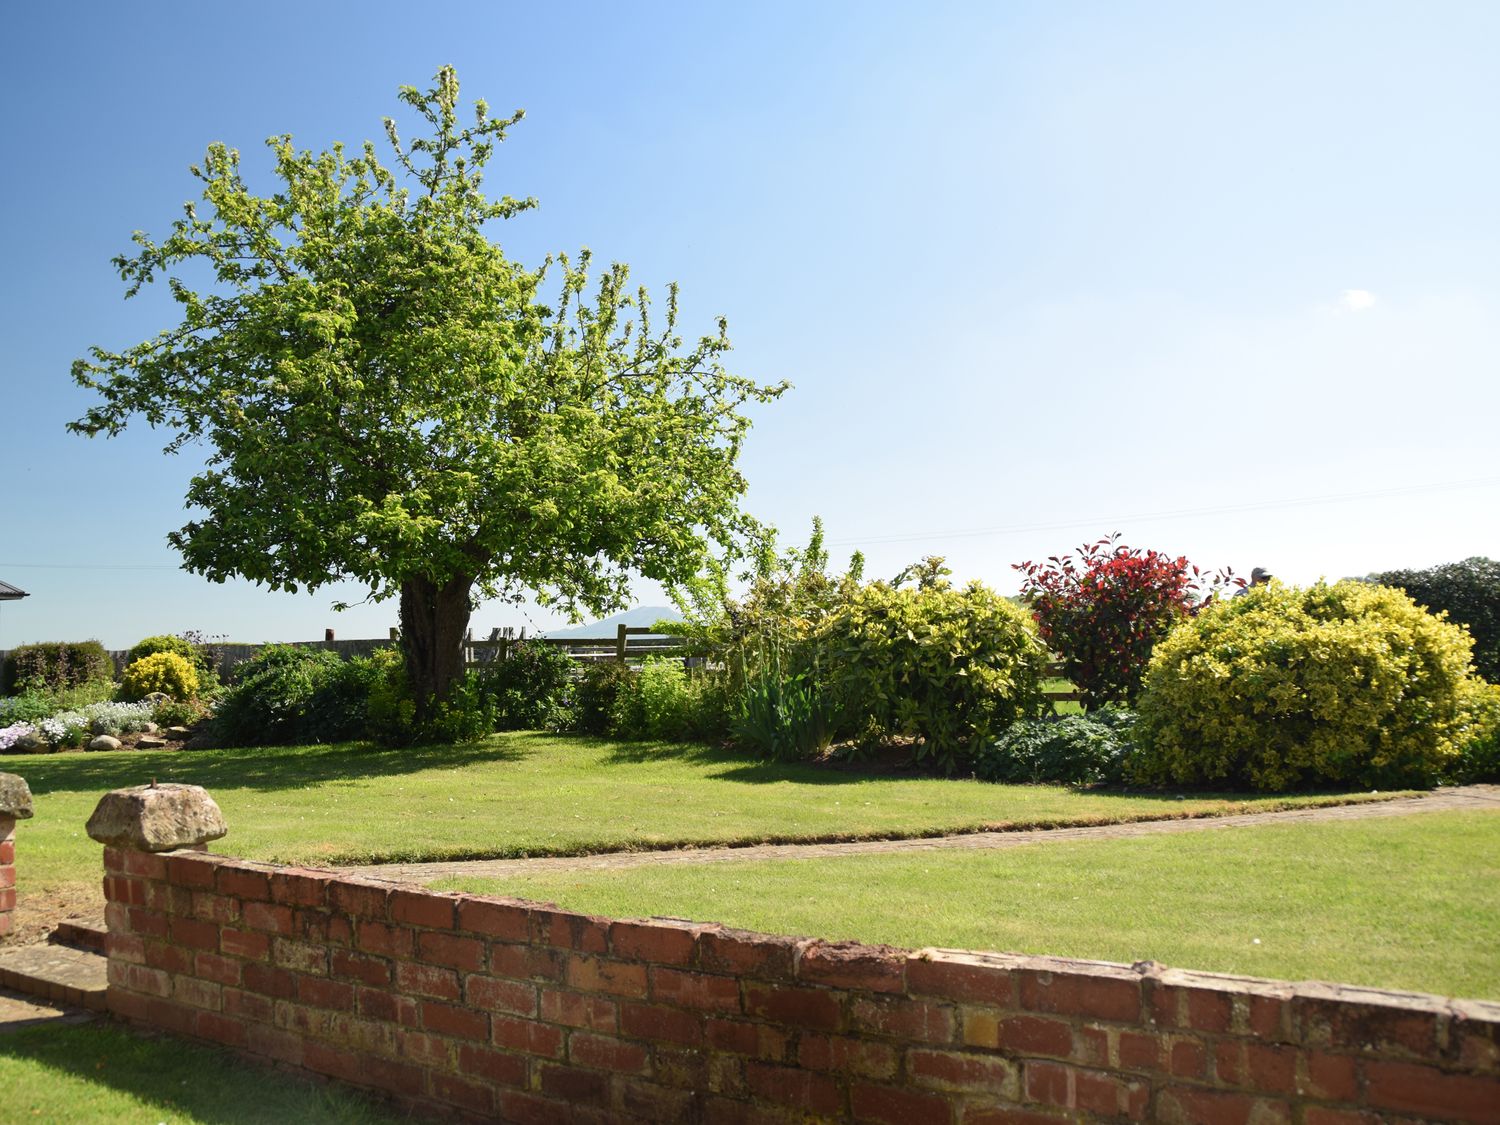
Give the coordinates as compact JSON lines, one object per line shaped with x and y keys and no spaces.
{"x":1343,"y":684}
{"x":165,"y":672}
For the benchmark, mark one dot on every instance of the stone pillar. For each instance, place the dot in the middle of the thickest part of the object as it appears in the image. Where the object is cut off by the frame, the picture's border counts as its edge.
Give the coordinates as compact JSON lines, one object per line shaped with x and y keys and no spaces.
{"x":15,"y":804}
{"x":157,"y":818}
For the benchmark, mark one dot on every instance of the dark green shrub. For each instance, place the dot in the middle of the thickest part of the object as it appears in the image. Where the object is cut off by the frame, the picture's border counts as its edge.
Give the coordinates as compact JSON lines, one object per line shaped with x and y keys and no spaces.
{"x":339,"y":707}
{"x":1469,"y":593}
{"x":595,"y":695}
{"x":532,"y":687}
{"x":55,"y":666}
{"x":467,"y":715}
{"x":785,"y":718}
{"x":1285,"y":688}
{"x":163,"y":672}
{"x":947,"y":666}
{"x":1071,"y":750}
{"x":269,"y":702}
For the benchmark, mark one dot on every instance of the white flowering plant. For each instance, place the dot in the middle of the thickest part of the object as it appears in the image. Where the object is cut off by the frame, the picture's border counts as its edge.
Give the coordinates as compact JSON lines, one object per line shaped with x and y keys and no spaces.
{"x":12,"y":734}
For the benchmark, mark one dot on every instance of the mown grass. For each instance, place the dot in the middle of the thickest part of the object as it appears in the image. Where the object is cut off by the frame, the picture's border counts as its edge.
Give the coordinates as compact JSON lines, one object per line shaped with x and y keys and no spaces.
{"x":100,"y":1072}
{"x":531,"y":794}
{"x":1403,"y":902}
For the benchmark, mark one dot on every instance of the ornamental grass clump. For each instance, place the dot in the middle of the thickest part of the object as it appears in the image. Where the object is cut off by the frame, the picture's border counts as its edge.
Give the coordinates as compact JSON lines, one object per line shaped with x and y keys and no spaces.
{"x":1288,"y":688}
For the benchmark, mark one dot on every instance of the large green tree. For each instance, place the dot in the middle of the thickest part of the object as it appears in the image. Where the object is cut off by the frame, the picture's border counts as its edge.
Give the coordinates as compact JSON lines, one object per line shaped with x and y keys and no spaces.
{"x":384,"y":396}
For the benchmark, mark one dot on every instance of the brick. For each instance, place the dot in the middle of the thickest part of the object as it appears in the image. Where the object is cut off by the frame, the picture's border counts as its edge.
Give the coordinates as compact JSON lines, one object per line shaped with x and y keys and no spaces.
{"x":273,"y":1043}
{"x":140,"y":978}
{"x":493,"y":1066}
{"x":219,"y":1028}
{"x":359,"y":899}
{"x":533,"y":1109}
{"x":1424,"y":1090}
{"x":814,"y":1008}
{"x":7,"y":850}
{"x":378,"y":1004}
{"x":507,"y":920}
{"x":269,"y":981}
{"x":1322,"y":1115}
{"x":244,"y":944}
{"x":1338,"y":1024}
{"x":323,"y":993}
{"x":114,"y":858}
{"x":148,"y":923}
{"x":958,"y":1070}
{"x":522,"y":962}
{"x":459,"y":1022}
{"x":573,"y":1085}
{"x":298,"y":886}
{"x":1090,"y":1046}
{"x":801,"y":1089}
{"x":526,"y":1035}
{"x":661,"y":943}
{"x":1178,"y":1105}
{"x":7,"y":898}
{"x":1328,"y":1077}
{"x":596,"y":974}
{"x":577,"y":1009}
{"x":1138,"y":1051}
{"x":1268,"y":1017}
{"x":604,"y":1052}
{"x":1018,"y":1035}
{"x":427,"y":980}
{"x":1010,"y":1115}
{"x":423,"y":1047}
{"x":248,"y":1005}
{"x":567,"y":930}
{"x":651,"y":1102}
{"x":243,"y":883}
{"x":386,"y":941}
{"x":689,"y":989}
{"x":359,"y":966}
{"x":846,"y":1055}
{"x":758,"y":1039}
{"x":197,"y":993}
{"x":1093,"y":1091}
{"x":335,"y":1062}
{"x":726,"y":1075}
{"x":893,"y":1105}
{"x":923,"y":1020}
{"x":143,"y":865}
{"x":191,"y":869}
{"x":423,"y":908}
{"x":125,"y":947}
{"x":492,"y":995}
{"x":267,"y":916}
{"x":168,"y":958}
{"x":1187,"y":1058}
{"x":1094,"y":995}
{"x":399,"y":1078}
{"x":475,"y":1097}
{"x":746,"y":954}
{"x":953,"y":979}
{"x":211,"y":907}
{"x":300,"y":957}
{"x":659,"y":1022}
{"x":464,"y":953}
{"x":849,"y":964}
{"x":7,"y":876}
{"x":1199,"y":1009}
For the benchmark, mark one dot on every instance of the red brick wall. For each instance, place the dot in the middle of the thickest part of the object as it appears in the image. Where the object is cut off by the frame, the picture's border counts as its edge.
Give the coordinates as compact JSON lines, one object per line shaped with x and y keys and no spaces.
{"x":7,"y":873}
{"x":506,"y":1009}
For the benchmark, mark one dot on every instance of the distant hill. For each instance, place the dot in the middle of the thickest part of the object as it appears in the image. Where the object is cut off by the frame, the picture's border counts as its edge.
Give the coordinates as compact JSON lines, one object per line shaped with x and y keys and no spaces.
{"x":635,"y":618}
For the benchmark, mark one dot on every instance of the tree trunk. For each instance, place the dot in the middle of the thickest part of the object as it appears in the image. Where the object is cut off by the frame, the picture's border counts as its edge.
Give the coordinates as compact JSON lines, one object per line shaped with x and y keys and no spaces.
{"x":434,"y":619}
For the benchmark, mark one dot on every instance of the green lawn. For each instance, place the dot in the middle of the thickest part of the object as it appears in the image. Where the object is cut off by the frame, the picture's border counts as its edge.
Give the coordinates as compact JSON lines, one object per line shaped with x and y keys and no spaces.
{"x":530,"y":794}
{"x":1409,"y":902}
{"x":101,"y":1072}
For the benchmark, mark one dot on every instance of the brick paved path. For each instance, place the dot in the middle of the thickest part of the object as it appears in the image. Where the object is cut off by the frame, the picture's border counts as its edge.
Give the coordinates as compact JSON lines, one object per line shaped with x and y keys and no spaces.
{"x":1469,"y":797}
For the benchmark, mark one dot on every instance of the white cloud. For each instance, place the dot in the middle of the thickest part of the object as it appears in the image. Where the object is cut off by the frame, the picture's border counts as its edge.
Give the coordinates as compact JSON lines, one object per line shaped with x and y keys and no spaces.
{"x":1357,"y":300}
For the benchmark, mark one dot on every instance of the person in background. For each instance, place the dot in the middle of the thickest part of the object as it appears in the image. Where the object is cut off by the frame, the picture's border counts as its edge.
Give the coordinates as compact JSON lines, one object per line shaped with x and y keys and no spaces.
{"x":1258,"y":577}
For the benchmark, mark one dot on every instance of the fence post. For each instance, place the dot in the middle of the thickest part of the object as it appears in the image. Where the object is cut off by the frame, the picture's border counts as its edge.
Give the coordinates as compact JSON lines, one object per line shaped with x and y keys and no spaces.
{"x":621,"y":642}
{"x":15,"y":804}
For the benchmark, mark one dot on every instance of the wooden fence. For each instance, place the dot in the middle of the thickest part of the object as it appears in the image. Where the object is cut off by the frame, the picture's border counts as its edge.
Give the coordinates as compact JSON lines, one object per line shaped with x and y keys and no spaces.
{"x":631,"y":644}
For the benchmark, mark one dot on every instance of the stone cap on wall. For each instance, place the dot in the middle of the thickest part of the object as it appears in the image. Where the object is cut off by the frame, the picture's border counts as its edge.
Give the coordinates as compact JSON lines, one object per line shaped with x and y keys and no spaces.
{"x":157,"y":818}
{"x":15,"y":797}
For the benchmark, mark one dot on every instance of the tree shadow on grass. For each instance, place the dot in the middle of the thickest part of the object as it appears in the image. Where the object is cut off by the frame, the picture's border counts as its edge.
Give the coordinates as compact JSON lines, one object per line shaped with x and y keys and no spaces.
{"x":265,"y":768}
{"x":170,"y":1077}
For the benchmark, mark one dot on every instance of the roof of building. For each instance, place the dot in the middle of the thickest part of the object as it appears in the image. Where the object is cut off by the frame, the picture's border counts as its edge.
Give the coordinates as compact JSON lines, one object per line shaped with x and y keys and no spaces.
{"x":9,"y":593}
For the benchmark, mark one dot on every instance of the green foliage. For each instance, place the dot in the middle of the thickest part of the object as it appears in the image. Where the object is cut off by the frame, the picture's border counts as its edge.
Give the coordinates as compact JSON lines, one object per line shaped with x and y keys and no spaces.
{"x":947,"y":666}
{"x":532,"y":687}
{"x":784,"y":718}
{"x":662,"y":701}
{"x":163,"y":672}
{"x":1469,"y":593}
{"x":384,"y":397}
{"x":1285,"y":688}
{"x":270,"y":701}
{"x":55,"y":666}
{"x":1479,"y":759}
{"x":467,"y":714}
{"x":163,"y":643}
{"x":175,"y":713}
{"x":1071,"y":750}
{"x":597,"y":692}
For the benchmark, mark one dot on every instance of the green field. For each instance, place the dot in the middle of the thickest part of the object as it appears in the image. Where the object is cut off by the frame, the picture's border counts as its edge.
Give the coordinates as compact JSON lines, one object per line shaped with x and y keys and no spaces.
{"x":531,"y":794}
{"x":1403,"y":902}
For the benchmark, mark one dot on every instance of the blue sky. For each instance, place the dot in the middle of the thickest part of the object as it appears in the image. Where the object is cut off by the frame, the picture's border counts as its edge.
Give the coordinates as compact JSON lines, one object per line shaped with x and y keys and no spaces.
{"x":1222,"y":278}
